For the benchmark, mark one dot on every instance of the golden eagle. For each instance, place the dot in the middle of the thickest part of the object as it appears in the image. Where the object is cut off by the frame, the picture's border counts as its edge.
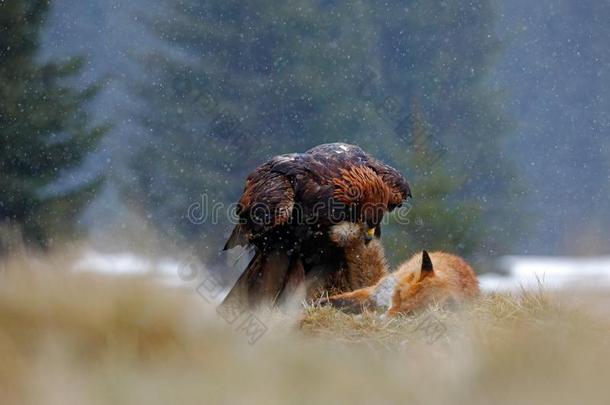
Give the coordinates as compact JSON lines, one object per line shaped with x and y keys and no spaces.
{"x":288,"y":205}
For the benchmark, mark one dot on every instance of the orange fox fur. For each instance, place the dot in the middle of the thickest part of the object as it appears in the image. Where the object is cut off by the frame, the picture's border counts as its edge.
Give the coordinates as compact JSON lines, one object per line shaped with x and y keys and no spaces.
{"x":366,"y":264}
{"x":425,"y":279}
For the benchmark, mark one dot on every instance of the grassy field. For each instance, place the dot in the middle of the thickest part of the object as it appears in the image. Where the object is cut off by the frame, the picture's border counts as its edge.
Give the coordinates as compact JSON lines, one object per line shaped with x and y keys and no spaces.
{"x":87,"y":339}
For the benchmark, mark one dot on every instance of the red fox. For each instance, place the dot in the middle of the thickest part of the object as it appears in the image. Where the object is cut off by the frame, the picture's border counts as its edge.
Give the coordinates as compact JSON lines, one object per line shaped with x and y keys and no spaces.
{"x":425,"y":279}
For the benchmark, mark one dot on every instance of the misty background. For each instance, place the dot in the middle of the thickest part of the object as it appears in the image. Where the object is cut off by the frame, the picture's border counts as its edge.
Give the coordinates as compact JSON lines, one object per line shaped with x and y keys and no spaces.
{"x":496,"y":112}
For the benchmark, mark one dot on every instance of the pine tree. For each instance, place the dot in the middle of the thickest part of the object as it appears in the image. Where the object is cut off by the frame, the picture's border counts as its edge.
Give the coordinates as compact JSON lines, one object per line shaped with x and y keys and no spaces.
{"x":435,"y":219}
{"x":244,"y":82}
{"x":240,"y":82}
{"x":44,"y":130}
{"x":440,"y":53}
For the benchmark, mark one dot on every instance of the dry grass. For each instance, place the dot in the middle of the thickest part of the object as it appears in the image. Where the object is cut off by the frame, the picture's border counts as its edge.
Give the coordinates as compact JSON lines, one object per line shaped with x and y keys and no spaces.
{"x":82,"y":339}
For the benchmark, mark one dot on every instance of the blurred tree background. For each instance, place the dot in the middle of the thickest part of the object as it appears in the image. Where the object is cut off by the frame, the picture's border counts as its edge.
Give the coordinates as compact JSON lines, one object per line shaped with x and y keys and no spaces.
{"x":44,"y":131}
{"x":239,"y":82}
{"x":201,"y":92}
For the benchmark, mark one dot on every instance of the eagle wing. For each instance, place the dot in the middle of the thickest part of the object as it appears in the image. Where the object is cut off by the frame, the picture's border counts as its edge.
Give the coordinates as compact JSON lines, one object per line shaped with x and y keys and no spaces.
{"x":396,"y":181}
{"x":345,"y":155}
{"x":267,"y":201}
{"x":267,"y":210}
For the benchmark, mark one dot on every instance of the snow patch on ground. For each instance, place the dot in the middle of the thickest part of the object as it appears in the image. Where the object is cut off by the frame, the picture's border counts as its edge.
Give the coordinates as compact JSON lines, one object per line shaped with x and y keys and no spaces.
{"x":128,"y":263}
{"x":187,"y":273}
{"x":516,"y":272}
{"x":548,"y":272}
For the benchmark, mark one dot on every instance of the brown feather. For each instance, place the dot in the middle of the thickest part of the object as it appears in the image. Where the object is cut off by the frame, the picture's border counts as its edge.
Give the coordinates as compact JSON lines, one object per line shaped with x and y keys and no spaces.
{"x":263,"y":280}
{"x":360,"y":185}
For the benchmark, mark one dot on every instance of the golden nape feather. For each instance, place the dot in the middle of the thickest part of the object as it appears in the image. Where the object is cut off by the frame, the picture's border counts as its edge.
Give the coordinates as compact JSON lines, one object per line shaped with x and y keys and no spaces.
{"x":361,"y":185}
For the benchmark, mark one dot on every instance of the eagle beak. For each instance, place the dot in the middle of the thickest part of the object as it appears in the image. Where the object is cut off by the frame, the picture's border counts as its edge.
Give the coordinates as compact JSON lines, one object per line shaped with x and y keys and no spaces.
{"x":369,"y":235}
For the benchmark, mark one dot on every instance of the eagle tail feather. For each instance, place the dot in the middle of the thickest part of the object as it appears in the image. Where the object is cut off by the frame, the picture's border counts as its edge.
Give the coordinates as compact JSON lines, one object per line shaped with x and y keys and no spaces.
{"x":263,"y":280}
{"x":237,"y":238}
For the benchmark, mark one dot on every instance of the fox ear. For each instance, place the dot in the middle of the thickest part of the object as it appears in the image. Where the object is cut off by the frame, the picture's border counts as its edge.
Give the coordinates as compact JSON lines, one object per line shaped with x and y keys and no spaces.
{"x":426,"y":264}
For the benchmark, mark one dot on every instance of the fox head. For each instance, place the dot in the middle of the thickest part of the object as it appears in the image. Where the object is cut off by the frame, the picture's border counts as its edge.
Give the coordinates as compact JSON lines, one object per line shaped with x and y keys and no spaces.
{"x":426,"y":269}
{"x":426,"y":279}
{"x":417,"y":269}
{"x":418,"y":285}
